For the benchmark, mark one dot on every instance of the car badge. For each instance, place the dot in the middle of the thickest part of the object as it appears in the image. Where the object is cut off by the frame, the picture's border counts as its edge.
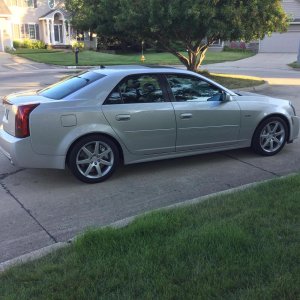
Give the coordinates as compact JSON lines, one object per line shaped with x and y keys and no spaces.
{"x":6,"y":113}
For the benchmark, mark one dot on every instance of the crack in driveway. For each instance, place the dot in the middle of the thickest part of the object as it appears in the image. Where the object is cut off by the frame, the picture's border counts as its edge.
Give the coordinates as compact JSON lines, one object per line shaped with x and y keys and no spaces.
{"x":252,"y":165}
{"x":5,"y":175}
{"x":26,"y":209}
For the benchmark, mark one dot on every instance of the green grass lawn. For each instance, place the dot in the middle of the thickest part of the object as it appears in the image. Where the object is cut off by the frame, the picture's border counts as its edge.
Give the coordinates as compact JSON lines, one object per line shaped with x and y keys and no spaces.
{"x":236,"y":246}
{"x":92,"y":58}
{"x":235,"y":81}
{"x":295,"y":65}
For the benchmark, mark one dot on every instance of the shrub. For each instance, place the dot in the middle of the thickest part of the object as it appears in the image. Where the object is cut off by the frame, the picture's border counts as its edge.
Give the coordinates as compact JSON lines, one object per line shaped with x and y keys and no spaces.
{"x":76,"y":44}
{"x":30,"y":44}
{"x":27,"y":43}
{"x":17,"y":44}
{"x":235,"y":49}
{"x":10,"y":50}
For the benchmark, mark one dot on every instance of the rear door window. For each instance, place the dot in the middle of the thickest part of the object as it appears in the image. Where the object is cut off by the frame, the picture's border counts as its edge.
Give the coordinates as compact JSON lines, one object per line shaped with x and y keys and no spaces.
{"x":145,"y":88}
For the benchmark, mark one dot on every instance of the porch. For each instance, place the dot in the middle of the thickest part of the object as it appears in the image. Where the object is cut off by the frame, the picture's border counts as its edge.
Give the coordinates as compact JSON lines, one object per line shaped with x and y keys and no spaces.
{"x":55,"y":28}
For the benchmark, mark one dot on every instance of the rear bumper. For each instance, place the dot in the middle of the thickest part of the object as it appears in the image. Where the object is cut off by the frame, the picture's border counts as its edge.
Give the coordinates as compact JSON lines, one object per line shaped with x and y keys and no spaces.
{"x":294,"y":128}
{"x":20,"y":153}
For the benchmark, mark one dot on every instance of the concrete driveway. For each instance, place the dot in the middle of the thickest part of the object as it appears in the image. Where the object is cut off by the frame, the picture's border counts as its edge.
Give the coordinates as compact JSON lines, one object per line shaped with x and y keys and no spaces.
{"x":41,"y":207}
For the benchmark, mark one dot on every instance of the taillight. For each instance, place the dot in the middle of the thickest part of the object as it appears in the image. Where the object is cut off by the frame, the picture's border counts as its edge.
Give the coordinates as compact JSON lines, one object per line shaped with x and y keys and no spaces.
{"x":22,"y":120}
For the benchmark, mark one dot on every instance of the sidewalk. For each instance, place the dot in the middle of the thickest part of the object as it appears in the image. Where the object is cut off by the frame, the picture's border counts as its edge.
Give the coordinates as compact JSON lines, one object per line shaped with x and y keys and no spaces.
{"x":11,"y":63}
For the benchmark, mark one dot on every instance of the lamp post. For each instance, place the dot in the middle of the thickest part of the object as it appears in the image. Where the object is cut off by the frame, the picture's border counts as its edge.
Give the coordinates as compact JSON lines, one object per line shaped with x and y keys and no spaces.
{"x":143,"y":57}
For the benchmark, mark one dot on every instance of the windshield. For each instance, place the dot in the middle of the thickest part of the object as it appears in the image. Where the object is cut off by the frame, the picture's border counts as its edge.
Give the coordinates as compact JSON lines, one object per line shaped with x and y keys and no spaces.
{"x":70,"y":85}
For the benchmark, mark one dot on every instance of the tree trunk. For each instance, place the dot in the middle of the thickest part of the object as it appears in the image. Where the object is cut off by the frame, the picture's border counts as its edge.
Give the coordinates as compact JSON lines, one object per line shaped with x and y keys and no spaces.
{"x":195,"y":56}
{"x":196,"y":59}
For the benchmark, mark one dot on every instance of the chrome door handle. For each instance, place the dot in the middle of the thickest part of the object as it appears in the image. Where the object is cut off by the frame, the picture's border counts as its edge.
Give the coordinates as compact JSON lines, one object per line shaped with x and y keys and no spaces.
{"x":122,"y":117}
{"x":186,"y":116}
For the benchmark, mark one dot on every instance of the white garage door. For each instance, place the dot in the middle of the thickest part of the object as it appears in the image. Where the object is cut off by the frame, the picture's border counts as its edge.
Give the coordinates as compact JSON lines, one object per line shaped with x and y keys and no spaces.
{"x":281,"y":42}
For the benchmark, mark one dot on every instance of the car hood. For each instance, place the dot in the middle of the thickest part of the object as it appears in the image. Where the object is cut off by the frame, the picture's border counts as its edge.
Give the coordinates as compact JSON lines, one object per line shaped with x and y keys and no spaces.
{"x":248,"y":96}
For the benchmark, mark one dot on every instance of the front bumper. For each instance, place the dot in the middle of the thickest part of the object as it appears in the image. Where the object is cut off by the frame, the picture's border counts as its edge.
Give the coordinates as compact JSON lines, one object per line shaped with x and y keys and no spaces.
{"x":20,"y":153}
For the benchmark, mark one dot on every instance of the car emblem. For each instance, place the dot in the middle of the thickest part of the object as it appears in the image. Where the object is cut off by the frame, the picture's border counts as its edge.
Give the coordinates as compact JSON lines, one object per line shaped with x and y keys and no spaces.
{"x":6,"y":113}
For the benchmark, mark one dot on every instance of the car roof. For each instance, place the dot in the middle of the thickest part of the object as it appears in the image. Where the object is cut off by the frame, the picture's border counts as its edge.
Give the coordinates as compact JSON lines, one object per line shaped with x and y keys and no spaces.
{"x":136,"y":69}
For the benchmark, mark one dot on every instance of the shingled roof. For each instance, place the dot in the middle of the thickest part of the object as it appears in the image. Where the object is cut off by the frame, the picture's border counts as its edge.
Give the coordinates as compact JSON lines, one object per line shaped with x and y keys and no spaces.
{"x":4,"y":9}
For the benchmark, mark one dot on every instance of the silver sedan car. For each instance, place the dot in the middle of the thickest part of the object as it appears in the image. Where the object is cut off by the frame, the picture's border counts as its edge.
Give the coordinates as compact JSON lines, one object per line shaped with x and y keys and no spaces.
{"x":100,"y":118}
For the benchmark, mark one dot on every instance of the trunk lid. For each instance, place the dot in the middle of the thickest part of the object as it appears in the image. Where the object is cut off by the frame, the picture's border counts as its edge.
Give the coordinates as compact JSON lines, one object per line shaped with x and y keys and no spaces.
{"x":11,"y":103}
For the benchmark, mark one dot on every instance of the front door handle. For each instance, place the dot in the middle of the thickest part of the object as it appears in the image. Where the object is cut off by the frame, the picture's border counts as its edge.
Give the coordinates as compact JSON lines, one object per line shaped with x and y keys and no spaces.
{"x":186,"y":116}
{"x":122,"y":117}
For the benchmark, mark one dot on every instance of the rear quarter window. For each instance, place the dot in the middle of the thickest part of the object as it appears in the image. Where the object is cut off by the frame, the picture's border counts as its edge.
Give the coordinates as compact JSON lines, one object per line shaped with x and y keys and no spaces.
{"x":70,"y":85}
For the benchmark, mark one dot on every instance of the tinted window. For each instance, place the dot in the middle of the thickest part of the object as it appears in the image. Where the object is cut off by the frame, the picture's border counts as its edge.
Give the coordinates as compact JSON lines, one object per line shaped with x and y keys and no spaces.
{"x":189,"y":88}
{"x":137,"y":89}
{"x":70,"y":85}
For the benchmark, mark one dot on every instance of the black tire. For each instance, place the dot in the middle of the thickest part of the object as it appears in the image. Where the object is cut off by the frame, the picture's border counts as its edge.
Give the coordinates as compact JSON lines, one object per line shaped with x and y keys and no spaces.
{"x":270,"y":136}
{"x":99,"y":157}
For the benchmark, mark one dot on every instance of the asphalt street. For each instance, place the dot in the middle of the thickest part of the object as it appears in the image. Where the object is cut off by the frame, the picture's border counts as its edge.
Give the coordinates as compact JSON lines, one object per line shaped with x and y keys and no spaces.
{"x":41,"y":207}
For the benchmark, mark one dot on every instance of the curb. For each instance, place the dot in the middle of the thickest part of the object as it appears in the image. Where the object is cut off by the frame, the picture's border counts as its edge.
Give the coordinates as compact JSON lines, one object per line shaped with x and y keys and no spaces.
{"x":34,"y":255}
{"x":123,"y":223}
{"x":81,"y":67}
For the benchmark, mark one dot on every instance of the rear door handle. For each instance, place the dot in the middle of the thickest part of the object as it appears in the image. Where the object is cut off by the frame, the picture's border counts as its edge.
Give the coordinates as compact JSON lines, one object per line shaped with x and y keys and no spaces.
{"x":186,"y":116}
{"x":122,"y":117}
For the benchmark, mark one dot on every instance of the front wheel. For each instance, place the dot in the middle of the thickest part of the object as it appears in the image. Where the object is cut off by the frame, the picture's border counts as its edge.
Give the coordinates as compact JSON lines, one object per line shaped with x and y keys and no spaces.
{"x":270,"y":136}
{"x":93,"y":158}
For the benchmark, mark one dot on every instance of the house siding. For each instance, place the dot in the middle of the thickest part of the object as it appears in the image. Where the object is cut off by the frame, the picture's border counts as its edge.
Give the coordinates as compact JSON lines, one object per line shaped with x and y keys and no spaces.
{"x":25,"y":14}
{"x":289,"y":41}
{"x":292,"y":7}
{"x":25,"y":21}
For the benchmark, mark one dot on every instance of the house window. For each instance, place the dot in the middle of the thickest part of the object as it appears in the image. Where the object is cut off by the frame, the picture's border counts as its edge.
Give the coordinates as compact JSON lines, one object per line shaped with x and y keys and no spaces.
{"x":30,"y":3}
{"x":32,"y":32}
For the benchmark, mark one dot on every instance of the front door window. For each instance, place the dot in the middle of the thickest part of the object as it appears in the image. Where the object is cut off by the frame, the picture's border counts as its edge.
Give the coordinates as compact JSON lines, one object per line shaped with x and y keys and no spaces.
{"x":58,"y":33}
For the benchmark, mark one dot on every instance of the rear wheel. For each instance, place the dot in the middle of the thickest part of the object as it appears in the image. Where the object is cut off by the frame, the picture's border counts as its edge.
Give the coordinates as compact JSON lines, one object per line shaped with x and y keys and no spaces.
{"x":93,"y":158}
{"x":270,"y":136}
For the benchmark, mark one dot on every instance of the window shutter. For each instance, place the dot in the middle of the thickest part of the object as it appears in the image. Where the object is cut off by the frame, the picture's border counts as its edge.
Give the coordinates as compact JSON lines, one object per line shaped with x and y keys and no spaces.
{"x":26,"y":30}
{"x":37,"y":32}
{"x":35,"y":3}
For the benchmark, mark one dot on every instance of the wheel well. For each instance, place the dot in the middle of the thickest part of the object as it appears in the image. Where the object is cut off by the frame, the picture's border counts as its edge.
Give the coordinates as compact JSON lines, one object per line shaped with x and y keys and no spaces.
{"x":283,"y":117}
{"x":96,"y":133}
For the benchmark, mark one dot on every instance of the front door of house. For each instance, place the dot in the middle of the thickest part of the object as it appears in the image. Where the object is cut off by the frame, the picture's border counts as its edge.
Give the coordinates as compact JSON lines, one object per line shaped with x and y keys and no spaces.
{"x":58,"y":36}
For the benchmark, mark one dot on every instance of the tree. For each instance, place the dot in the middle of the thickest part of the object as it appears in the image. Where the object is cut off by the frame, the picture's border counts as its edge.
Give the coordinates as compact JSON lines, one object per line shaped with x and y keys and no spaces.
{"x":190,"y":24}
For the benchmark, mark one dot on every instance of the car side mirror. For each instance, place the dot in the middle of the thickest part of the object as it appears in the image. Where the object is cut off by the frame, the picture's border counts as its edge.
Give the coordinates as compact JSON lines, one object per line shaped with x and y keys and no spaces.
{"x":226,"y":97}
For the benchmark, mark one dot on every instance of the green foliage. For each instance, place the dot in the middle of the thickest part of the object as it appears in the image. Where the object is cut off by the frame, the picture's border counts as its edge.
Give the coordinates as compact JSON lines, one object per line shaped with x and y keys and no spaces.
{"x":295,"y":65}
{"x":17,"y":44}
{"x":229,"y":49}
{"x":192,"y":23}
{"x":9,"y":50}
{"x":76,"y":44}
{"x":30,"y":44}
